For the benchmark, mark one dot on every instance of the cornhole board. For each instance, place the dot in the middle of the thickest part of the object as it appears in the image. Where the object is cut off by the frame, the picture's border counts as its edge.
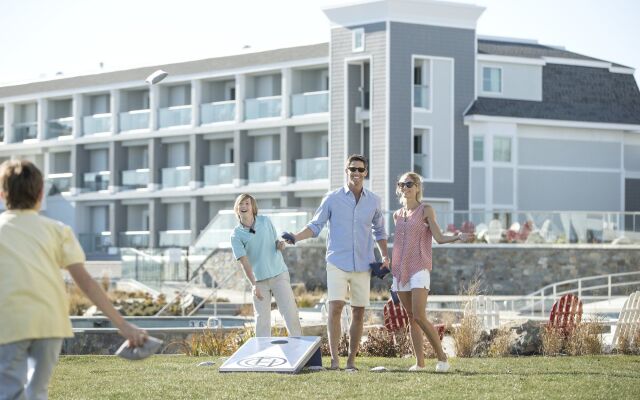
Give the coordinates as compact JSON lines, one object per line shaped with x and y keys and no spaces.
{"x":275,"y":354}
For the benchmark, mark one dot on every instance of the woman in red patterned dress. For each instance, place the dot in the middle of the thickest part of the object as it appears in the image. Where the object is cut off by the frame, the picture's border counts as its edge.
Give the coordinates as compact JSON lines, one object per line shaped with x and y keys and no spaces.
{"x":416,"y":225}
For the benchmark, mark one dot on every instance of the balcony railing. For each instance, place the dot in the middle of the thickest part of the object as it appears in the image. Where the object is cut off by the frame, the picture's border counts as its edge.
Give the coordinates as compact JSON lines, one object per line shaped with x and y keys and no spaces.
{"x":421,"y":165}
{"x":1,"y":133}
{"x":60,"y":127}
{"x":135,"y":178}
{"x":175,"y":238}
{"x":133,"y":120}
{"x":263,"y":107}
{"x":25,"y":131}
{"x":176,"y":177}
{"x":95,"y":242}
{"x":219,"y":111}
{"x":96,"y":181}
{"x":312,"y":168}
{"x":175,"y":116}
{"x":137,"y":239}
{"x":310,"y":103}
{"x":218,"y":174}
{"x":61,"y":182}
{"x":421,"y":96}
{"x":265,"y":171}
{"x":97,"y":123}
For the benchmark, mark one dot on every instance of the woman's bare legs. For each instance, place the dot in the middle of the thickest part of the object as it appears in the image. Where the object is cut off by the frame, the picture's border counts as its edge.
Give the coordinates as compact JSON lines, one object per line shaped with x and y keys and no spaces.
{"x":419,"y":311}
{"x":416,"y":332}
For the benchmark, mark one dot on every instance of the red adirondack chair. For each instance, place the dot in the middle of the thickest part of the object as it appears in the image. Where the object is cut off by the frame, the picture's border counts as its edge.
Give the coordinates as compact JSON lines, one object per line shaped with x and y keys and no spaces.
{"x":396,"y":318}
{"x":566,"y":313}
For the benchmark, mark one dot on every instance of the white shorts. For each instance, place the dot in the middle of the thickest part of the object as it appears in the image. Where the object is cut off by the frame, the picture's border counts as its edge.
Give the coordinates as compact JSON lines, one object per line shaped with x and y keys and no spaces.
{"x":419,"y":280}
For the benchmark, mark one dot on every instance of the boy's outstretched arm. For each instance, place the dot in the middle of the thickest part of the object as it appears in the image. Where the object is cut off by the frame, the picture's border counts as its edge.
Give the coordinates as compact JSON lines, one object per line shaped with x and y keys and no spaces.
{"x":94,"y":292}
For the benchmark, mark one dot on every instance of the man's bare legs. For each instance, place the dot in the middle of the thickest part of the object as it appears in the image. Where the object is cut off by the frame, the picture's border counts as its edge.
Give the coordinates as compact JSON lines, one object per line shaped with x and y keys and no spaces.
{"x":334,"y":332}
{"x":355,"y":334}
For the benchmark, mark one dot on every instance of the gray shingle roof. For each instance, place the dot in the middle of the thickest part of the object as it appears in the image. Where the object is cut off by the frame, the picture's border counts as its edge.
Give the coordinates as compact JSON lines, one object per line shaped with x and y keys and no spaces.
{"x":182,"y":68}
{"x":573,"y":93}
{"x":530,"y":50}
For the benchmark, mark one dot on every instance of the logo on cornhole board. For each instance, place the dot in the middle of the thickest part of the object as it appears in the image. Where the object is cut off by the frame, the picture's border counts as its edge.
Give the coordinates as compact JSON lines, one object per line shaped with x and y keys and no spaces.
{"x":273,"y":354}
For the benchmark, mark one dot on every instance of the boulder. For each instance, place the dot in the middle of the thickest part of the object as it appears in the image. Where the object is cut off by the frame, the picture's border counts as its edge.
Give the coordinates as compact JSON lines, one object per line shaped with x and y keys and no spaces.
{"x":528,"y":341}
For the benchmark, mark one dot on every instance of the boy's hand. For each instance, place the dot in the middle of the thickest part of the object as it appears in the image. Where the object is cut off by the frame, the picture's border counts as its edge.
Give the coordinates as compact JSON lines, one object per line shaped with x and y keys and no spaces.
{"x":281,"y":245}
{"x":257,"y":293}
{"x":133,"y":334}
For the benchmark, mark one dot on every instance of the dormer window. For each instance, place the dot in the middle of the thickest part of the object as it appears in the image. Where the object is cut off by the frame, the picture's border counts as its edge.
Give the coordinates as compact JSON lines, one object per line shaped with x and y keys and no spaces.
{"x":358,"y":39}
{"x":492,"y":80}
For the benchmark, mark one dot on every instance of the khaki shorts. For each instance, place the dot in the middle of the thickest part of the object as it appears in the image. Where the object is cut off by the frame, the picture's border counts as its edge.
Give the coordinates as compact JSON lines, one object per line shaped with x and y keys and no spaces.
{"x":340,"y":282}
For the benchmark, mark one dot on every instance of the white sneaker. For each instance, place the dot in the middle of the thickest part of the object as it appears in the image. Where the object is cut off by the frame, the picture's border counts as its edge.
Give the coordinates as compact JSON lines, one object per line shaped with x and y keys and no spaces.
{"x":442,"y":366}
{"x":416,"y":368}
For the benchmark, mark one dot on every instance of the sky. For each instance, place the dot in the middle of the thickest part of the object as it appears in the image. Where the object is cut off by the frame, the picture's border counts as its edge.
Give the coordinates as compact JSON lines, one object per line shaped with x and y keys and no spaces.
{"x":42,"y":38}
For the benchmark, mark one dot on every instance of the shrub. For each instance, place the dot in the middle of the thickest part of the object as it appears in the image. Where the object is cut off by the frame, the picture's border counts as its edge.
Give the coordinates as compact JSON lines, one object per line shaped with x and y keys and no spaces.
{"x":343,"y":346}
{"x":501,"y":344}
{"x":214,"y":342}
{"x":552,"y":340}
{"x":467,"y":335}
{"x":585,"y":339}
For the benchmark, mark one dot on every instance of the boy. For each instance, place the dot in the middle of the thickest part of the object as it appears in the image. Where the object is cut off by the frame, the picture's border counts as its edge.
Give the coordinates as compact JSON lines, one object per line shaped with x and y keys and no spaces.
{"x":33,"y":301}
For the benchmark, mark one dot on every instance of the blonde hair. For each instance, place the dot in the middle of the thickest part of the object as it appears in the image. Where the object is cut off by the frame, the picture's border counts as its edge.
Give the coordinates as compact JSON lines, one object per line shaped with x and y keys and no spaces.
{"x":417,"y":179}
{"x":242,"y":197}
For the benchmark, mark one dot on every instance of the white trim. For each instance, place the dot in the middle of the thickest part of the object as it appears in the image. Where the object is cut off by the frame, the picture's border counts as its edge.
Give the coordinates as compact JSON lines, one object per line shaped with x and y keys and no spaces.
{"x":623,"y":176}
{"x":569,"y":169}
{"x":387,"y":134}
{"x":486,"y":93}
{"x":631,"y":175}
{"x":354,"y":33}
{"x":550,"y":122}
{"x":576,"y":62}
{"x":510,"y":60}
{"x":622,"y":70}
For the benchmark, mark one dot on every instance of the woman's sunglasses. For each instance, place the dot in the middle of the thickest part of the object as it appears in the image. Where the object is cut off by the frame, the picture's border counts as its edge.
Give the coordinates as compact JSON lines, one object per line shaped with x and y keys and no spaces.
{"x":407,"y":184}
{"x":359,"y":169}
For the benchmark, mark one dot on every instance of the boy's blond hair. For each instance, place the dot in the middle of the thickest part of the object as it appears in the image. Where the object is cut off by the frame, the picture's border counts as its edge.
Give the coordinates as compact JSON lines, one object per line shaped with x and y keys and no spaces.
{"x":21,"y":183}
{"x":242,"y":197}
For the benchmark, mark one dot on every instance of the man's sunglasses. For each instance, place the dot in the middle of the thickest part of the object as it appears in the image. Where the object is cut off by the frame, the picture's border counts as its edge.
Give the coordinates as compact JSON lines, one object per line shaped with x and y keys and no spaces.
{"x":359,"y":169}
{"x":407,"y":184}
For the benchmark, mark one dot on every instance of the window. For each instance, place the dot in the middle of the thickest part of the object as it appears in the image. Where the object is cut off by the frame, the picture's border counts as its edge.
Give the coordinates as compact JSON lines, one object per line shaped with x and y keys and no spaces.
{"x":502,"y":149}
{"x":358,"y":39}
{"x":421,"y":78}
{"x":478,"y":148}
{"x":421,"y":152}
{"x":492,"y":80}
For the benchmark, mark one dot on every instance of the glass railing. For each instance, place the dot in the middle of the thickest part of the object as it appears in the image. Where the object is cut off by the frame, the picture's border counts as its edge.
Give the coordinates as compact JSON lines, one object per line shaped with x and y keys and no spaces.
{"x":25,"y":131}
{"x":175,"y":238}
{"x":95,"y":242}
{"x":263,"y":107}
{"x":310,"y":103}
{"x":265,"y":171}
{"x":176,"y":177}
{"x":218,"y":174}
{"x":175,"y":116}
{"x":219,"y":111}
{"x":312,"y":168}
{"x":421,"y":165}
{"x":421,"y":96}
{"x":135,"y":178}
{"x":1,"y":133}
{"x":96,"y":181}
{"x":61,"y":182}
{"x":133,"y":120}
{"x":137,"y":239}
{"x":98,"y":123}
{"x":59,"y":127}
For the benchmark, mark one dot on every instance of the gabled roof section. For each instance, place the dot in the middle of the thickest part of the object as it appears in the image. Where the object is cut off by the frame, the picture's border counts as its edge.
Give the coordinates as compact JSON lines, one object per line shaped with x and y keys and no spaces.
{"x":573,"y":93}
{"x":531,"y":50}
{"x":182,"y":68}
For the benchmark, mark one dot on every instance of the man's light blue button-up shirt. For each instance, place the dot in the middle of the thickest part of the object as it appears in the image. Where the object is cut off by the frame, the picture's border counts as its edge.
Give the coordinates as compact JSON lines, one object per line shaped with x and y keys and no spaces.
{"x":352,"y":228}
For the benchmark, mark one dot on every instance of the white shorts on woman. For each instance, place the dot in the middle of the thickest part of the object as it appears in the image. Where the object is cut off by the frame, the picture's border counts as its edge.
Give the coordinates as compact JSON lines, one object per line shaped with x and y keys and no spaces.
{"x":419,"y":280}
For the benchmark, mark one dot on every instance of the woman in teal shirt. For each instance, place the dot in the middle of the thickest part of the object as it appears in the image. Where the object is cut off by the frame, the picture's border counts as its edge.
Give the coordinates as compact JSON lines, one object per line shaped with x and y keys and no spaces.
{"x":255,"y":244}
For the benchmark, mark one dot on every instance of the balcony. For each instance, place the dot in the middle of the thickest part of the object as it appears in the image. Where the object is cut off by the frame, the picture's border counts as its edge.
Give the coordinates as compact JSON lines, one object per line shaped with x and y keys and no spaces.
{"x":136,"y":178}
{"x":310,"y":103}
{"x":312,"y":168}
{"x":134,"y":120}
{"x":421,"y":165}
{"x":25,"y":131}
{"x":263,"y":107}
{"x":421,"y":96}
{"x":60,"y":127}
{"x":176,"y":177}
{"x":1,"y":133}
{"x":95,"y":242}
{"x":175,"y":238}
{"x":219,"y":174}
{"x":175,"y":116}
{"x":136,"y":239}
{"x":97,"y":123}
{"x":96,"y":181}
{"x":219,"y":111}
{"x":265,"y":171}
{"x":61,"y":182}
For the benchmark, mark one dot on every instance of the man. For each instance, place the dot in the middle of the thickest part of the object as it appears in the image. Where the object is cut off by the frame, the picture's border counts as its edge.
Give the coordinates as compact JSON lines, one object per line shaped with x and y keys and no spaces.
{"x":355,"y":217}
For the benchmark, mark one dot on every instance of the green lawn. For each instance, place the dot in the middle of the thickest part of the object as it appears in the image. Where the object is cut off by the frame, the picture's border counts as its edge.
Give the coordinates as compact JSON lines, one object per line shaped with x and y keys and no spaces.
{"x":179,"y":377}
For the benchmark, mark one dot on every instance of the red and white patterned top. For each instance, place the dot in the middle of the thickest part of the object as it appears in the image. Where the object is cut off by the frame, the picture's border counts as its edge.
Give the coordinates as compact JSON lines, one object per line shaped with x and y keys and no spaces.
{"x":412,"y":244}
